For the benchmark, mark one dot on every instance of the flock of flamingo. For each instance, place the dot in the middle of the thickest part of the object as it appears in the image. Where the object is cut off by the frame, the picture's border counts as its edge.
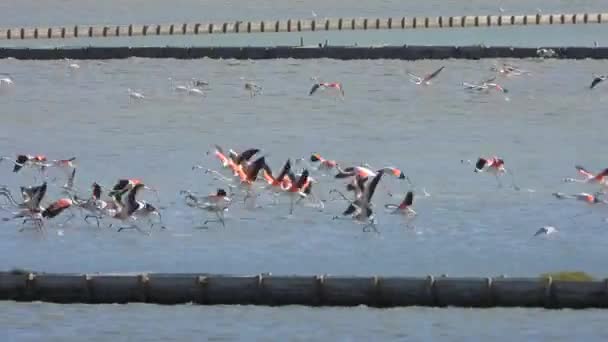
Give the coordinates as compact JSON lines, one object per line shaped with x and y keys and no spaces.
{"x":244,"y":177}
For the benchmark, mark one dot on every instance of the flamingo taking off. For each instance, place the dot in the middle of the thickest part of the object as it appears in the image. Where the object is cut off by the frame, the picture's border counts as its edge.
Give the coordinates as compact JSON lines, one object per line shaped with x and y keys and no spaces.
{"x":590,"y":178}
{"x":360,"y":209}
{"x":325,"y":85}
{"x":546,"y":230}
{"x":24,"y":160}
{"x":216,"y":203}
{"x":426,"y":80}
{"x":135,"y":209}
{"x":6,"y":79}
{"x":597,"y":80}
{"x":582,"y":196}
{"x":324,"y":164}
{"x":405,"y":207}
{"x":253,"y":88}
{"x":485,"y":86}
{"x":135,"y":95}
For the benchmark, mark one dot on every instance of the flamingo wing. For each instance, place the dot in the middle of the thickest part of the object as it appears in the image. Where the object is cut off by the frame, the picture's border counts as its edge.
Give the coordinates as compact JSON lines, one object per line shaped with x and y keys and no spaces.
{"x":433,"y":75}
{"x":584,"y":172}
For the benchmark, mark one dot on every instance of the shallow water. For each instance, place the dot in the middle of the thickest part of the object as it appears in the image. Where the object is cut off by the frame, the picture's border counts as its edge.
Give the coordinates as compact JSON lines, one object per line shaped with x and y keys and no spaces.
{"x":468,"y":226}
{"x":51,"y":322}
{"x":548,"y":123}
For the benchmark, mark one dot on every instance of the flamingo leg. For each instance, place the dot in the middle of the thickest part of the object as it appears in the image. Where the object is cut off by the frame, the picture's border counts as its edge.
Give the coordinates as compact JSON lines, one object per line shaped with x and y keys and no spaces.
{"x":498,"y":181}
{"x":97,"y":218}
{"x":219,"y":219}
{"x":371,"y":225}
{"x":133,"y":226}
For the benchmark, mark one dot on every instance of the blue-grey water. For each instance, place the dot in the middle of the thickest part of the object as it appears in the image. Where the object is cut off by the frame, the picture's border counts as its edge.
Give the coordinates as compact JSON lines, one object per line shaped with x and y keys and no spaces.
{"x":547,"y":123}
{"x":18,"y":13}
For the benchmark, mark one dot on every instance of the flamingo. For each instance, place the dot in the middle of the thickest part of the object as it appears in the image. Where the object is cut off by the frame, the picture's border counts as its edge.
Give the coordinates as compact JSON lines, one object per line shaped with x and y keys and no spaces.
{"x":546,"y":230}
{"x":326,"y":85}
{"x":324,"y":164}
{"x":135,"y":209}
{"x":216,"y":203}
{"x":135,"y":95}
{"x":601,"y":178}
{"x":6,"y":79}
{"x":360,"y":209}
{"x":426,"y":80}
{"x":253,"y":88}
{"x":485,"y":86}
{"x":597,"y":80}
{"x":405,"y":207}
{"x":96,"y":207}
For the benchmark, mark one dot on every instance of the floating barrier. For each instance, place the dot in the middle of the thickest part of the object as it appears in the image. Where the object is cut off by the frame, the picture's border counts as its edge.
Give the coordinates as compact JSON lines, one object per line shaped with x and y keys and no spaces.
{"x":320,"y":290}
{"x":406,"y":52}
{"x":299,"y":25}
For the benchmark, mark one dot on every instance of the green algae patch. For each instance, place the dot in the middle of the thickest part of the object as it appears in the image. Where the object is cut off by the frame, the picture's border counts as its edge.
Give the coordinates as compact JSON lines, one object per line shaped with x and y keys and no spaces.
{"x":568,"y":276}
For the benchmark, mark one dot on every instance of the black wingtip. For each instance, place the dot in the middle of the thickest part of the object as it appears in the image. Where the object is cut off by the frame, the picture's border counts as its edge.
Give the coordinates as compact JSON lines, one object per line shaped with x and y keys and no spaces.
{"x":409,"y":198}
{"x":481,"y":163}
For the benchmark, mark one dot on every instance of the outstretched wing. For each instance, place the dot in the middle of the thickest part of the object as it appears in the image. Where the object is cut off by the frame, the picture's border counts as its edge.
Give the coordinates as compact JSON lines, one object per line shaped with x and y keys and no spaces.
{"x":302,"y":180}
{"x":132,"y":198}
{"x":414,"y":77}
{"x":254,"y":169}
{"x":491,"y":79}
{"x":246,"y":155}
{"x":286,"y":168}
{"x":409,"y":199}
{"x":584,"y":172}
{"x":371,"y":188}
{"x":96,"y":191}
{"x":314,"y":88}
{"x":70,"y":183}
{"x":37,"y":194}
{"x":595,"y":82}
{"x":433,"y":75}
{"x":19,"y":162}
{"x":481,"y":163}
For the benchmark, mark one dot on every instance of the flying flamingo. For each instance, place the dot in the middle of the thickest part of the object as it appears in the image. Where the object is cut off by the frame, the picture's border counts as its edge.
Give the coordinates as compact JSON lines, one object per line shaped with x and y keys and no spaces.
{"x":325,"y":85}
{"x":360,"y":209}
{"x":426,"y":80}
{"x":601,"y":178}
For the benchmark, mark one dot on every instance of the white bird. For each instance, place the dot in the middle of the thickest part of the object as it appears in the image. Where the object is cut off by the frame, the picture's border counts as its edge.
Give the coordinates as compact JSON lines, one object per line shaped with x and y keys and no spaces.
{"x":6,"y":79}
{"x":135,"y":95}
{"x":74,"y":66}
{"x":546,"y":230}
